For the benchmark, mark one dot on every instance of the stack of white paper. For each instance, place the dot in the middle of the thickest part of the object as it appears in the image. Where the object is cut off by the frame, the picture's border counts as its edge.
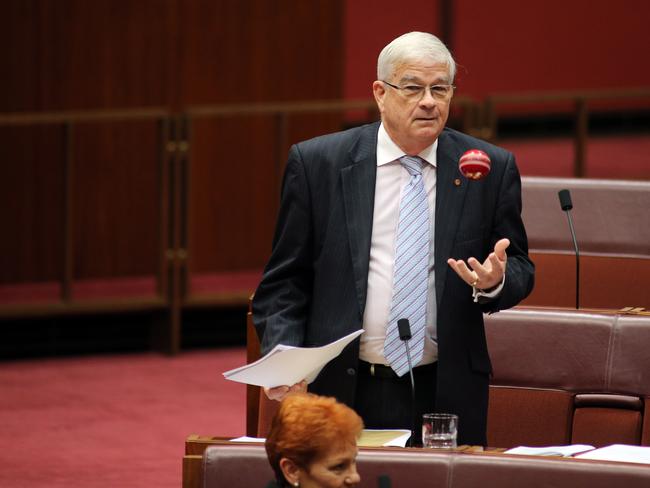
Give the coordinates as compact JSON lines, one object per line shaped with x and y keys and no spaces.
{"x":384,"y":438}
{"x":619,"y":452}
{"x":369,"y":438}
{"x":288,"y":365}
{"x":565,"y":451}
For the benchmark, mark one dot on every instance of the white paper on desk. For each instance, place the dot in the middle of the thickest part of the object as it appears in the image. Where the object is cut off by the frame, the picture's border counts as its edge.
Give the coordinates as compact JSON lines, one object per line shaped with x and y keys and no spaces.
{"x":384,"y":438}
{"x":248,"y":439}
{"x":565,"y":451}
{"x":287,"y":365}
{"x":619,"y":452}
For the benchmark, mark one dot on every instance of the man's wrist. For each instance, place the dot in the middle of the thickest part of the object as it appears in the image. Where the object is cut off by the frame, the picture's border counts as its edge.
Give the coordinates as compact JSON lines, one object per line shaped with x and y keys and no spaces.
{"x":489,"y":290}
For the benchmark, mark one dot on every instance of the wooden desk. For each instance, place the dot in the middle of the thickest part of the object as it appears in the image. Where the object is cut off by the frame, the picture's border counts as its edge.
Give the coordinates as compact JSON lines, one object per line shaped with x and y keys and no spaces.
{"x":196,"y":444}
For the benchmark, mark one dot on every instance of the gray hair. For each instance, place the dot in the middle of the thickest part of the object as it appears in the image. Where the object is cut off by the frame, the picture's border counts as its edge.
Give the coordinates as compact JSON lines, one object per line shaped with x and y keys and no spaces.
{"x":414,"y":46}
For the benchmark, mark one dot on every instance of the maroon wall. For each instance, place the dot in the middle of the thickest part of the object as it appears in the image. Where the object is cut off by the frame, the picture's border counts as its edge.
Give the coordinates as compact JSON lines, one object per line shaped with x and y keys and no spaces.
{"x":511,"y":45}
{"x":370,"y":25}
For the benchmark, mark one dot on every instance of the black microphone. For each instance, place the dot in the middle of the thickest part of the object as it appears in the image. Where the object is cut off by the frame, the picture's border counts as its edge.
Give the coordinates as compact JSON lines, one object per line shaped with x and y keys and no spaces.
{"x":404,"y":329}
{"x":565,"y":203}
{"x":383,"y":481}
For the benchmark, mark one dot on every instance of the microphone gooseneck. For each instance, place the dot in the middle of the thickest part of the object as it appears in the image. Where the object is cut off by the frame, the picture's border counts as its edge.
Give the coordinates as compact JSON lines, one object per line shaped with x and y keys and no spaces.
{"x":404,"y":329}
{"x":567,"y":205}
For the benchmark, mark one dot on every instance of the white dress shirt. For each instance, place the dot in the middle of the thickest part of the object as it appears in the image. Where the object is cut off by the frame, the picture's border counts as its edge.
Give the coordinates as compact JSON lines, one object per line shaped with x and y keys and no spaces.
{"x":392,"y":177}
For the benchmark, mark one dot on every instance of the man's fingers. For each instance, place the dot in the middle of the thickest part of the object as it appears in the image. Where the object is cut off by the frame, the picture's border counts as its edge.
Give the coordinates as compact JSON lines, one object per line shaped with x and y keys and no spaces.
{"x":468,"y":275}
{"x":500,"y":248}
{"x":299,"y":387}
{"x":477,"y":267}
{"x":279,"y":392}
{"x":496,"y":263}
{"x":483,"y":275}
{"x":462,"y":270}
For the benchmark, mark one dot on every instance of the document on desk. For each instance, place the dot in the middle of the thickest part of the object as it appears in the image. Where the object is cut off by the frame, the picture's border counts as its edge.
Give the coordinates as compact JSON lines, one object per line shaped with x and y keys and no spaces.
{"x":619,"y":452}
{"x":565,"y":451}
{"x":369,"y":438}
{"x":287,"y":365}
{"x":384,"y":438}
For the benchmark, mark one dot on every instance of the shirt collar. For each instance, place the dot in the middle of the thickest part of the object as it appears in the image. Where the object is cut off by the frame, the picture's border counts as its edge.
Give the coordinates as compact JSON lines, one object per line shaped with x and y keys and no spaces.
{"x":388,"y":151}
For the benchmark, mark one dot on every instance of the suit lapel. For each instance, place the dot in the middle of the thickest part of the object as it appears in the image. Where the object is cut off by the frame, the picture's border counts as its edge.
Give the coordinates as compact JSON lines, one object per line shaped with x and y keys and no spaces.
{"x":358,"y":182}
{"x":449,"y":207}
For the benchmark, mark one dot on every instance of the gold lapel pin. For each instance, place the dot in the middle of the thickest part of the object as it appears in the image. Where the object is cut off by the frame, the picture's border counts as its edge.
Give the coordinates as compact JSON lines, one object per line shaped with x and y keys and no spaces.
{"x":457,"y":182}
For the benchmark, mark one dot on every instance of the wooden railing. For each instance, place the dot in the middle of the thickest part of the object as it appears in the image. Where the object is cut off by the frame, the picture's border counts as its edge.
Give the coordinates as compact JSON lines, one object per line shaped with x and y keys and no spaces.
{"x":173,"y":153}
{"x":579,"y":101}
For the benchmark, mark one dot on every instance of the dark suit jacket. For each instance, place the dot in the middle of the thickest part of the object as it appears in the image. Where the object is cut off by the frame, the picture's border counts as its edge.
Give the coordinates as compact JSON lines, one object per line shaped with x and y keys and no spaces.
{"x":314,"y":286}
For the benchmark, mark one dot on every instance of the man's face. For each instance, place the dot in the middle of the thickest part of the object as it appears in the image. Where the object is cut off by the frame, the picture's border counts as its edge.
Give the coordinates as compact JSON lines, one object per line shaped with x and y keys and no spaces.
{"x":413,"y":123}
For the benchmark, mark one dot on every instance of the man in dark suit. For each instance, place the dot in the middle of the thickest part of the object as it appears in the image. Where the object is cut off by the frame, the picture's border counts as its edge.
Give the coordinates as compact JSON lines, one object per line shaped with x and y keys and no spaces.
{"x":338,"y":263}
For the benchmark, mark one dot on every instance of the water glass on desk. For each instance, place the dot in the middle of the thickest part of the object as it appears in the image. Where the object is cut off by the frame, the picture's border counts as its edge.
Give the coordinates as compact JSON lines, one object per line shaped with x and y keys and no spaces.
{"x":439,"y":430}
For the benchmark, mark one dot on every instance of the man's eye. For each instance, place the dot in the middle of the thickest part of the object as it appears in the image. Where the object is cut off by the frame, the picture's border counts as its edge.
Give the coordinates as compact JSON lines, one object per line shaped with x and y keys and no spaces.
{"x":413,"y":88}
{"x":442,"y":89}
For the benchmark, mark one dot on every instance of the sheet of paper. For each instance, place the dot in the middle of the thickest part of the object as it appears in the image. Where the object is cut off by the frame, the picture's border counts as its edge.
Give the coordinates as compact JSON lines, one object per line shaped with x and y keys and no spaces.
{"x":248,"y":439}
{"x":565,"y":451}
{"x":619,"y":452}
{"x":369,"y":438}
{"x":384,"y":438}
{"x":287,"y":365}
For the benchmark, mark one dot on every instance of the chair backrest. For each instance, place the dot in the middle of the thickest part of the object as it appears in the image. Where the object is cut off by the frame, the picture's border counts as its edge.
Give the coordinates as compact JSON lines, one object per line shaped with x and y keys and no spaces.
{"x":612,"y":226}
{"x":259,"y":409}
{"x":587,"y":375}
{"x":246,"y":466}
{"x":610,"y":216}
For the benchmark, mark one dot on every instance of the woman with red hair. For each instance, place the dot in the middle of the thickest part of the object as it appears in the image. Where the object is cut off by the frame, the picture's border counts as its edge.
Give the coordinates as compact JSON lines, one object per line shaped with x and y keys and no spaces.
{"x":313,"y":443}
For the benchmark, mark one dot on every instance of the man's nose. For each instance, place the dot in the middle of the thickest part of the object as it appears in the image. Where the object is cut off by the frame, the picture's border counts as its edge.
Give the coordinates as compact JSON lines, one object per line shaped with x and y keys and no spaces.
{"x":427,"y":99}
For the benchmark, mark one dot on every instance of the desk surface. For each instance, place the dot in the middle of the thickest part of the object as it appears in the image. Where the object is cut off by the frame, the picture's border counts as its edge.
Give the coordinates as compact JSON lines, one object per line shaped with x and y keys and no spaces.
{"x":195,"y":445}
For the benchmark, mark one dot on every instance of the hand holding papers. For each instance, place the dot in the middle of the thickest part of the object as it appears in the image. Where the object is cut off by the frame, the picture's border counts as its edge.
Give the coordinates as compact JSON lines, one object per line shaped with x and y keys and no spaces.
{"x":288,"y":365}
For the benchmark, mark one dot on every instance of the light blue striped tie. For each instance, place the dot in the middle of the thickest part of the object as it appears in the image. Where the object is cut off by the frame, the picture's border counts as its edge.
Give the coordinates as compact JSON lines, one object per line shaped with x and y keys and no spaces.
{"x":411,"y":270}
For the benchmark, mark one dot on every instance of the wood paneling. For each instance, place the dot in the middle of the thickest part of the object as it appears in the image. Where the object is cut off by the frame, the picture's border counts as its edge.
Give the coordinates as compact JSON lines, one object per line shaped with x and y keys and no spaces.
{"x":513,"y":46}
{"x":233,"y":193}
{"x":74,"y":54}
{"x":256,"y":50}
{"x":31,"y":203}
{"x":261,"y":51}
{"x":116,"y":210}
{"x":77,"y":55}
{"x":606,"y":281}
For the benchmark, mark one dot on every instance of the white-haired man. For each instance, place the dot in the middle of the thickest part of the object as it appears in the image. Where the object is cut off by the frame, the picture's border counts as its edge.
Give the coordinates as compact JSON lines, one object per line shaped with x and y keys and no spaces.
{"x":377,"y":224}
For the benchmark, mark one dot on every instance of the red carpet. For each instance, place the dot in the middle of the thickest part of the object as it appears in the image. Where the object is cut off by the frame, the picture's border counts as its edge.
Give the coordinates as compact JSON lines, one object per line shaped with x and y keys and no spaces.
{"x":112,"y":421}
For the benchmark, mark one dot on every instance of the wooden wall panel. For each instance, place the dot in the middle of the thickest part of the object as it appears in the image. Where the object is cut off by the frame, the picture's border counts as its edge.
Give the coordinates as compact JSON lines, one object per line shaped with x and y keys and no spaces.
{"x":116,"y":199}
{"x":20,"y":51}
{"x":107,"y":54}
{"x":370,"y":25}
{"x":255,"y":50}
{"x":262,"y":51}
{"x":509,"y":45}
{"x":31,"y":203}
{"x":513,"y":46}
{"x":233,"y":194}
{"x":75,"y":54}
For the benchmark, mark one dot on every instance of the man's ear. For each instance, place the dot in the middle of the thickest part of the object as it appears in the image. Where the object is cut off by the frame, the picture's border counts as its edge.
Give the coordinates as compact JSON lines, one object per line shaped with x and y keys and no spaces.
{"x":290,"y":470}
{"x":379,"y":91}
